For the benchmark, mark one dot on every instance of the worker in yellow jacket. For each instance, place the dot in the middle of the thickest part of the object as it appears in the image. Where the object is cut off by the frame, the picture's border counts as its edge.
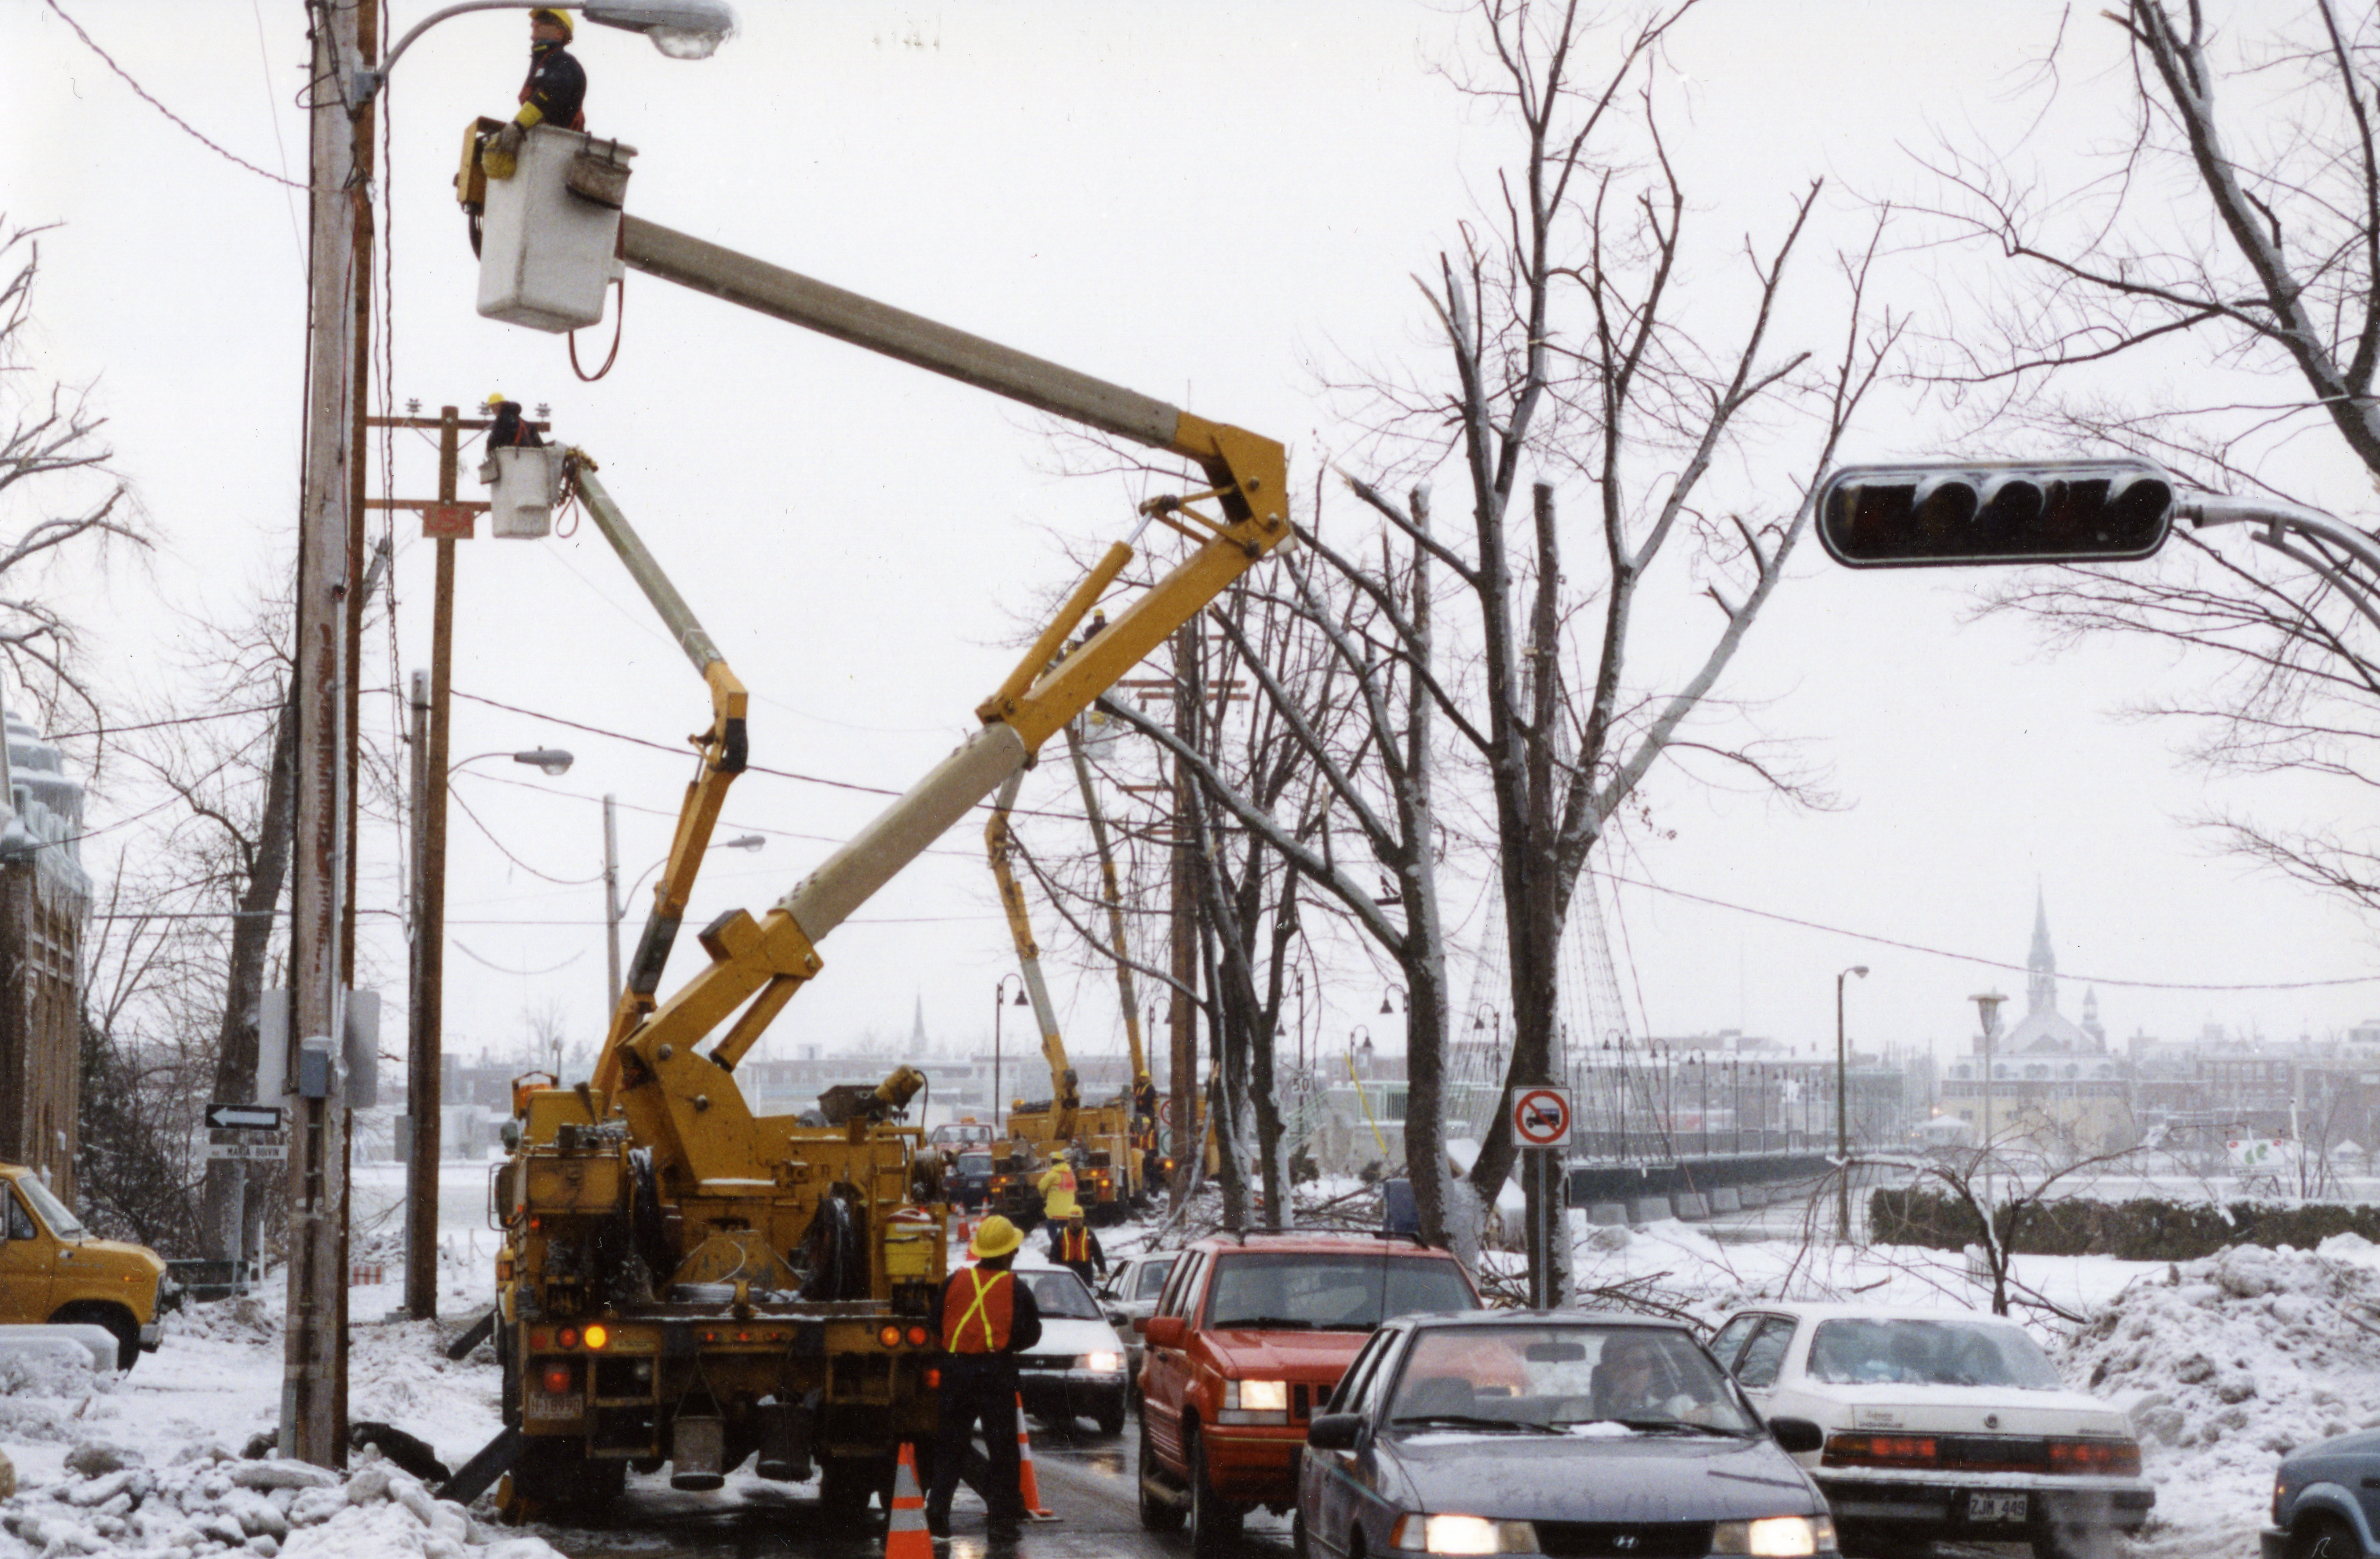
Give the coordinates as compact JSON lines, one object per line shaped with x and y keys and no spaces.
{"x":1057,"y":1188}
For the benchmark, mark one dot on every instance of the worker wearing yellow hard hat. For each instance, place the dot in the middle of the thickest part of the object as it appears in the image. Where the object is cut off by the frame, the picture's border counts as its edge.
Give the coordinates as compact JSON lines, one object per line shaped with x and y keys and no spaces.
{"x":1057,"y":1188}
{"x":506,"y":428}
{"x":555,"y":93}
{"x":985,"y":1318}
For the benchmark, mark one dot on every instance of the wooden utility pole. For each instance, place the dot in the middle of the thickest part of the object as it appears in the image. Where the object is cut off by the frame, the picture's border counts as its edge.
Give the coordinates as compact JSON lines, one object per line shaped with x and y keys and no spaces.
{"x":445,"y":521}
{"x":329,"y":582}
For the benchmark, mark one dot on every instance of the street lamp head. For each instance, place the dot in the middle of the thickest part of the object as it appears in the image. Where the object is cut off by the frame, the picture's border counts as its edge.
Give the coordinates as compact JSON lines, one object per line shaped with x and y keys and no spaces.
{"x":1859,"y":969}
{"x":1020,"y":1000}
{"x":680,"y":29}
{"x":744,"y":841}
{"x":546,"y":760}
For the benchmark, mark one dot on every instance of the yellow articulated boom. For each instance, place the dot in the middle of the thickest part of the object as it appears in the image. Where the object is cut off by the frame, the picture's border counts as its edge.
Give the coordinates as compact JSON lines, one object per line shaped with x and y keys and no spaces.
{"x":684,"y":1281}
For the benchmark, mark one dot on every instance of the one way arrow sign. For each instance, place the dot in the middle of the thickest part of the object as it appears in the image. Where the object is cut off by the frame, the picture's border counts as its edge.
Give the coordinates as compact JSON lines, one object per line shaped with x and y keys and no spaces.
{"x":243,"y":1117}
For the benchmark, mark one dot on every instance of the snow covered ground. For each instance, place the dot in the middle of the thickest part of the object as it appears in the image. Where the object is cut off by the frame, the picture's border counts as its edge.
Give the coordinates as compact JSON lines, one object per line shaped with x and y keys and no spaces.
{"x":2225,"y":1365}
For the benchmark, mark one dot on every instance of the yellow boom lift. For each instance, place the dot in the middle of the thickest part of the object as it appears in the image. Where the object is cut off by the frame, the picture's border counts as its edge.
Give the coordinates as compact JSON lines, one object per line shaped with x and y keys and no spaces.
{"x":683,"y":1281}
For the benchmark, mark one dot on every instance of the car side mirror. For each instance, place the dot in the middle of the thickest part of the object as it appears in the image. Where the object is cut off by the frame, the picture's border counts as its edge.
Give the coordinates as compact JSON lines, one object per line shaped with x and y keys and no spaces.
{"x":1164,"y":1331}
{"x":1797,"y":1435}
{"x":1117,"y":1318}
{"x":1335,"y":1432}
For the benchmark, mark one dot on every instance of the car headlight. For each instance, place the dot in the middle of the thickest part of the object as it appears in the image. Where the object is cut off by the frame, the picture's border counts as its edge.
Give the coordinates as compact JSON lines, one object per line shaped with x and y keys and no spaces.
{"x":1781,"y":1536}
{"x":1255,"y":1402}
{"x":1462,"y":1534}
{"x":1100,"y":1363}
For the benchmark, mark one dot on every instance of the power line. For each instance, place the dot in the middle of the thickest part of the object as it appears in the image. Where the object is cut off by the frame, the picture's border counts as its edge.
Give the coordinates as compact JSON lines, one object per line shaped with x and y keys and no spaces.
{"x":142,"y":92}
{"x":1872,"y":938}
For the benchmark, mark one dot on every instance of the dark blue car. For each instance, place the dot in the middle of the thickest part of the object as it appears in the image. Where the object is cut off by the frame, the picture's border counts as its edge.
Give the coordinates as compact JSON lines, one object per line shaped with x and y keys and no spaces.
{"x":1550,"y":1433}
{"x":2327,"y":1501}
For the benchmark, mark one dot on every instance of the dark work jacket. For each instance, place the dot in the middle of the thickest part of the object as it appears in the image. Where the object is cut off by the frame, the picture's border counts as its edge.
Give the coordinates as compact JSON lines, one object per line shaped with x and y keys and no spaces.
{"x":557,"y":85}
{"x":1024,"y":1321}
{"x":1092,"y":1254}
{"x":509,"y":430}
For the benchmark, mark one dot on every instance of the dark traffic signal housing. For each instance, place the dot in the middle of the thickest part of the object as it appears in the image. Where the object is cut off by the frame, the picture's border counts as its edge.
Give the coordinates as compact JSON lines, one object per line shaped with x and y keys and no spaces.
{"x":1934,"y":515}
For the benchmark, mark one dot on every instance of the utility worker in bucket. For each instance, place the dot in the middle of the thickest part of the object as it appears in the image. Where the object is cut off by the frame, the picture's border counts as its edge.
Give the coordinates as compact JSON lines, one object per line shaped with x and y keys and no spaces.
{"x":985,"y":1318}
{"x":1074,"y":1246}
{"x":507,"y":428}
{"x":555,"y":93}
{"x":1057,"y":1188}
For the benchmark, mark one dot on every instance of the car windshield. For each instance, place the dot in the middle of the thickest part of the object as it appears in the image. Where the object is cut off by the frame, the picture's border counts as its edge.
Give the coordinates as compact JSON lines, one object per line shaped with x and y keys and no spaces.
{"x":1882,"y":1351}
{"x":1555,"y":1376}
{"x":1062,"y":1296}
{"x":974,"y":1164}
{"x":63,"y":1224}
{"x":1354,"y":1292}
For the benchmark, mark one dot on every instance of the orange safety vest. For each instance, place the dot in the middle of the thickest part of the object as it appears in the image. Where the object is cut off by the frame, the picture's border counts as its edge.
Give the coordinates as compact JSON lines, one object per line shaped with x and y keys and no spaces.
{"x":980,"y":1322}
{"x":1075,"y":1244}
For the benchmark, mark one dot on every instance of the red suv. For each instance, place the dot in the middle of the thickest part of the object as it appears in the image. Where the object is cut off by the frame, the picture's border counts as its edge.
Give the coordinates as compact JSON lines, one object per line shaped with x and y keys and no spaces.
{"x":1247,"y":1343}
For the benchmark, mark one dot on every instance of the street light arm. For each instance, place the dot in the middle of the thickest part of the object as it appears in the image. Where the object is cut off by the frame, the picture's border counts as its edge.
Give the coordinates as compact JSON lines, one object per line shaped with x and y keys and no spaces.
{"x":367,"y":80}
{"x":2203,"y":509}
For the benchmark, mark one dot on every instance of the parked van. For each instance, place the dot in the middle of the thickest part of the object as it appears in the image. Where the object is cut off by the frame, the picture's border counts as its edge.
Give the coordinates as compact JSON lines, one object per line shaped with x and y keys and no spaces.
{"x":51,"y":1270}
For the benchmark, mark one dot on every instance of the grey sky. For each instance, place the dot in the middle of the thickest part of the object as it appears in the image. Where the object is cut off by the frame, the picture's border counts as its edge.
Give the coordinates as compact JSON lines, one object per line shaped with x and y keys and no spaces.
{"x":1216,"y":204}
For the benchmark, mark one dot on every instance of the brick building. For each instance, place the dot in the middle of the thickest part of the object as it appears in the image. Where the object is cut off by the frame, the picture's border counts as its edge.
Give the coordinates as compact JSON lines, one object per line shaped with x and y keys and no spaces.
{"x":44,"y":898}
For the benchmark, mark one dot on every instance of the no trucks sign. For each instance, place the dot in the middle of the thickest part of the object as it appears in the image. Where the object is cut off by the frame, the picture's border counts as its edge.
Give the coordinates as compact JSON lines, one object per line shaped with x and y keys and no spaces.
{"x":1541,"y":1118}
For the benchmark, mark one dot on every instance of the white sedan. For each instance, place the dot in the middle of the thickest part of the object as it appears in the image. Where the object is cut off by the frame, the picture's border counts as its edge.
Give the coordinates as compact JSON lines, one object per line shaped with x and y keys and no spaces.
{"x":1076,"y":1370}
{"x":1939,"y":1424}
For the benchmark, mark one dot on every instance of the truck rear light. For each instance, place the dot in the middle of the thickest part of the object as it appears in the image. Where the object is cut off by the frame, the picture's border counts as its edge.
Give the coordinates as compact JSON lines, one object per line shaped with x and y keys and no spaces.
{"x":889,"y":1336}
{"x":539,"y":1340}
{"x":917,"y":1337}
{"x":597,"y":1338}
{"x":570,"y":1336}
{"x":558,"y":1379}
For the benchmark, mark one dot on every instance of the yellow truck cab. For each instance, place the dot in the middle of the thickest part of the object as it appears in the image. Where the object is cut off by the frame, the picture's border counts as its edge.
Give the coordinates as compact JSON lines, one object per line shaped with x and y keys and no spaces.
{"x":51,"y":1270}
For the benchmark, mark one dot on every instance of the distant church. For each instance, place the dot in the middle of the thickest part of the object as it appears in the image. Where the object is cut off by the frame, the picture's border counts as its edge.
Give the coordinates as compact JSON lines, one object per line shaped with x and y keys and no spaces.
{"x":2044,"y":1030}
{"x":2054,"y":1086}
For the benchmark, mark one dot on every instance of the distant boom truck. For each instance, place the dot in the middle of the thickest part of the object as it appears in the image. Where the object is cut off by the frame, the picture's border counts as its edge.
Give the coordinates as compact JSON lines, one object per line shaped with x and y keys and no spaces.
{"x":683,"y":1281}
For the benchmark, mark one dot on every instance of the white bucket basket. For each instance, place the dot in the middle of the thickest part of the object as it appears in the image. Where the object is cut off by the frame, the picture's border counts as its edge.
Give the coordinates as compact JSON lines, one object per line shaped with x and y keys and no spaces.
{"x":527,"y":485}
{"x":549,"y":234}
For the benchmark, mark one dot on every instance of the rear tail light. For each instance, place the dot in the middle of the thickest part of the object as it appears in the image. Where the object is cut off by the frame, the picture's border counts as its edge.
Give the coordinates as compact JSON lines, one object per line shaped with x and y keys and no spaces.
{"x":596,"y":1336}
{"x":2098,"y":1457}
{"x":1880,"y":1450}
{"x":570,"y":1336}
{"x":539,"y":1340}
{"x":558,"y":1379}
{"x":890,"y":1337}
{"x":917,"y":1337}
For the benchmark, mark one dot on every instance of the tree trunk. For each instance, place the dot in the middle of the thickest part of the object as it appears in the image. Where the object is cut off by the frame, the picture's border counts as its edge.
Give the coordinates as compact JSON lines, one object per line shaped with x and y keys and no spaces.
{"x":228,"y":1194}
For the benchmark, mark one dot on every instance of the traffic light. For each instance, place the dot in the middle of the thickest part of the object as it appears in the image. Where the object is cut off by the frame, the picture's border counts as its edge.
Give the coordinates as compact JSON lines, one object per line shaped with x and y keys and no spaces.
{"x":1932,"y":516}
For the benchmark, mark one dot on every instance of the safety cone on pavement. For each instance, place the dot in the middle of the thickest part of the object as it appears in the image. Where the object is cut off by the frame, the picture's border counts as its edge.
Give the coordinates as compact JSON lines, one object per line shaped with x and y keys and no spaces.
{"x":907,"y":1538}
{"x":1029,"y":1483}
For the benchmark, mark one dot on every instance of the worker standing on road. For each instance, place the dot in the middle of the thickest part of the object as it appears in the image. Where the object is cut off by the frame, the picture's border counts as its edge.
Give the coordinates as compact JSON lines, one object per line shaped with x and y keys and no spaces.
{"x":1057,"y":1188}
{"x":985,"y":1318}
{"x":1074,"y":1246}
{"x":1144,"y":1102}
{"x":555,"y":93}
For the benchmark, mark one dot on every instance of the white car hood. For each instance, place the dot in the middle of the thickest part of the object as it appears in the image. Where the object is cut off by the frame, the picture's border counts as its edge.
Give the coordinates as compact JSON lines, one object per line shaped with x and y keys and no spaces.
{"x":1065,"y":1335}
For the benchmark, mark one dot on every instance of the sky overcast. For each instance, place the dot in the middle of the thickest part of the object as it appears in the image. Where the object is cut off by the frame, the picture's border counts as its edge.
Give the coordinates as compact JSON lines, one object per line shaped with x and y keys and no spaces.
{"x":1221,"y":205}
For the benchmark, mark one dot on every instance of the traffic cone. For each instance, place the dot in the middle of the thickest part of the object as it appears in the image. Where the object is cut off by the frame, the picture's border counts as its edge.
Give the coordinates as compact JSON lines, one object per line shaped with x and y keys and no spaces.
{"x":1029,"y":1483}
{"x":907,"y":1538}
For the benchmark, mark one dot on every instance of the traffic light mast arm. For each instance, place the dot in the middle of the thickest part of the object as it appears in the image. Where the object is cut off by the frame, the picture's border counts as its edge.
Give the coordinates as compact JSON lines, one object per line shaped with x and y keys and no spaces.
{"x":2280,"y":520}
{"x":1065,"y":1089}
{"x":723,"y":750}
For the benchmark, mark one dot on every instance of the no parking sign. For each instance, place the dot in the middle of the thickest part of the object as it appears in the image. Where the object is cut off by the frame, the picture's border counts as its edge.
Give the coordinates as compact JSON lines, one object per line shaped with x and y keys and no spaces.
{"x":1541,"y":1118}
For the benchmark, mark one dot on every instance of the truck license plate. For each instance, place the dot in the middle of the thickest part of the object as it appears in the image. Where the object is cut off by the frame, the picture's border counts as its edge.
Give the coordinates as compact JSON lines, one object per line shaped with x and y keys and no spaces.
{"x":1996,"y":1507}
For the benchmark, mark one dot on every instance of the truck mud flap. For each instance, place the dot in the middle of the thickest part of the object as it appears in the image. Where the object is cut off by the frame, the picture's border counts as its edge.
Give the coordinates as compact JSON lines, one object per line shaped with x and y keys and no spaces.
{"x":496,"y":1459}
{"x":478,"y":1331}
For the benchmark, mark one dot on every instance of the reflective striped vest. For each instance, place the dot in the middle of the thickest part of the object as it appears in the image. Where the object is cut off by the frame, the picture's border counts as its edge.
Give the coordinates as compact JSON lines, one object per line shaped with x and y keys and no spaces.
{"x":976,"y":1310}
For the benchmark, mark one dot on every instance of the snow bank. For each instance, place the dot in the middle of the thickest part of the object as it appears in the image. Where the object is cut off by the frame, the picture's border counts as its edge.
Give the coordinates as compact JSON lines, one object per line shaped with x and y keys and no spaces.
{"x":211,"y":1503}
{"x":2227,"y":1365}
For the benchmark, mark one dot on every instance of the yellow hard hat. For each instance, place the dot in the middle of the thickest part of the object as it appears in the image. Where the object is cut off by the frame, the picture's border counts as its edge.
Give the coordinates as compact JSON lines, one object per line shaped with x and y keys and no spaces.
{"x":496,"y":399}
{"x":995,"y":1237}
{"x":559,"y":19}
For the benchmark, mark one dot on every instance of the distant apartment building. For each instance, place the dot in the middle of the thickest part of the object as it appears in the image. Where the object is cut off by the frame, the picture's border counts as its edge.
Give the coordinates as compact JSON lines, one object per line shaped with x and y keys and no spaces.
{"x":44,"y":900}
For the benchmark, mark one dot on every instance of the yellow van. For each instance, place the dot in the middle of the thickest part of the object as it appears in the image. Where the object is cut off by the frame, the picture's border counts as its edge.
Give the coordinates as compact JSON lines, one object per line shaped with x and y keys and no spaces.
{"x":51,"y":1270}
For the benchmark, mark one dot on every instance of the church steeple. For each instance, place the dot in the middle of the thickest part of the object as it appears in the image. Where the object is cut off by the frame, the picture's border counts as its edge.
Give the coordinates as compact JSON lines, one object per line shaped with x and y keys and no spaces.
{"x":2040,"y":984}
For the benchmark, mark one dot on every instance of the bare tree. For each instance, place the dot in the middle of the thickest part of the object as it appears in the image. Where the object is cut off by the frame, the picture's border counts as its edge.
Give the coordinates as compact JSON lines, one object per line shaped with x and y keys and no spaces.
{"x":2124,"y":316}
{"x":57,"y":499}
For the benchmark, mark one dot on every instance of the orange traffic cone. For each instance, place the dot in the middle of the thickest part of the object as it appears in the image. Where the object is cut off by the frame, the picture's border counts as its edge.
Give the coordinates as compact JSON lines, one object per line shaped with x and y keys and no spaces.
{"x":907,"y":1538}
{"x":1029,"y":1483}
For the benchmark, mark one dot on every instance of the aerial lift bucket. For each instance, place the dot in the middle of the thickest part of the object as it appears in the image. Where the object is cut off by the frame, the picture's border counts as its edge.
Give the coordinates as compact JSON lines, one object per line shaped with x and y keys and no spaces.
{"x":522,"y":485}
{"x":549,"y":234}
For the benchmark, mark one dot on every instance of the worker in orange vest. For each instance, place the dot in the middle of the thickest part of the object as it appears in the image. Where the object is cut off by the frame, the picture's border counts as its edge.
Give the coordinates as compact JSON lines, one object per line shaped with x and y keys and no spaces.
{"x":1074,"y":1246}
{"x":985,"y":1318}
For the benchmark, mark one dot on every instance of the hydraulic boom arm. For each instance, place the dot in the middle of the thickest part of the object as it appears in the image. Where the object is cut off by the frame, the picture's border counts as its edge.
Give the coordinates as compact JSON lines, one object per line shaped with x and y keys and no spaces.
{"x":1065,"y":1089}
{"x":683,"y":1101}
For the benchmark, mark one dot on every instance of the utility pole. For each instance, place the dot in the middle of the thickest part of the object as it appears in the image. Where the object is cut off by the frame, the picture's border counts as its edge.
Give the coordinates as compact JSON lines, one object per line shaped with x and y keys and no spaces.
{"x":328,"y":591}
{"x":443,"y":521}
{"x":611,"y":909}
{"x":1182,"y":1015}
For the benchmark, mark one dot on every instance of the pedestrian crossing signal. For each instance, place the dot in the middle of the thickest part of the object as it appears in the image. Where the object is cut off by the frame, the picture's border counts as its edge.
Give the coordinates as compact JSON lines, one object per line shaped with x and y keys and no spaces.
{"x":1937,"y":515}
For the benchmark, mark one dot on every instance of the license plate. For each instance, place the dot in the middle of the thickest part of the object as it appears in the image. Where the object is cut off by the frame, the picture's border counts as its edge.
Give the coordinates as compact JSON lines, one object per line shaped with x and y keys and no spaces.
{"x":1996,"y":1507}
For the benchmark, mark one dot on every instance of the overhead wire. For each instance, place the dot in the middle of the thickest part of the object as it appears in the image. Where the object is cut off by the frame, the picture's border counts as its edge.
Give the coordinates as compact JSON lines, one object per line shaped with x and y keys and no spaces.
{"x":146,"y":96}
